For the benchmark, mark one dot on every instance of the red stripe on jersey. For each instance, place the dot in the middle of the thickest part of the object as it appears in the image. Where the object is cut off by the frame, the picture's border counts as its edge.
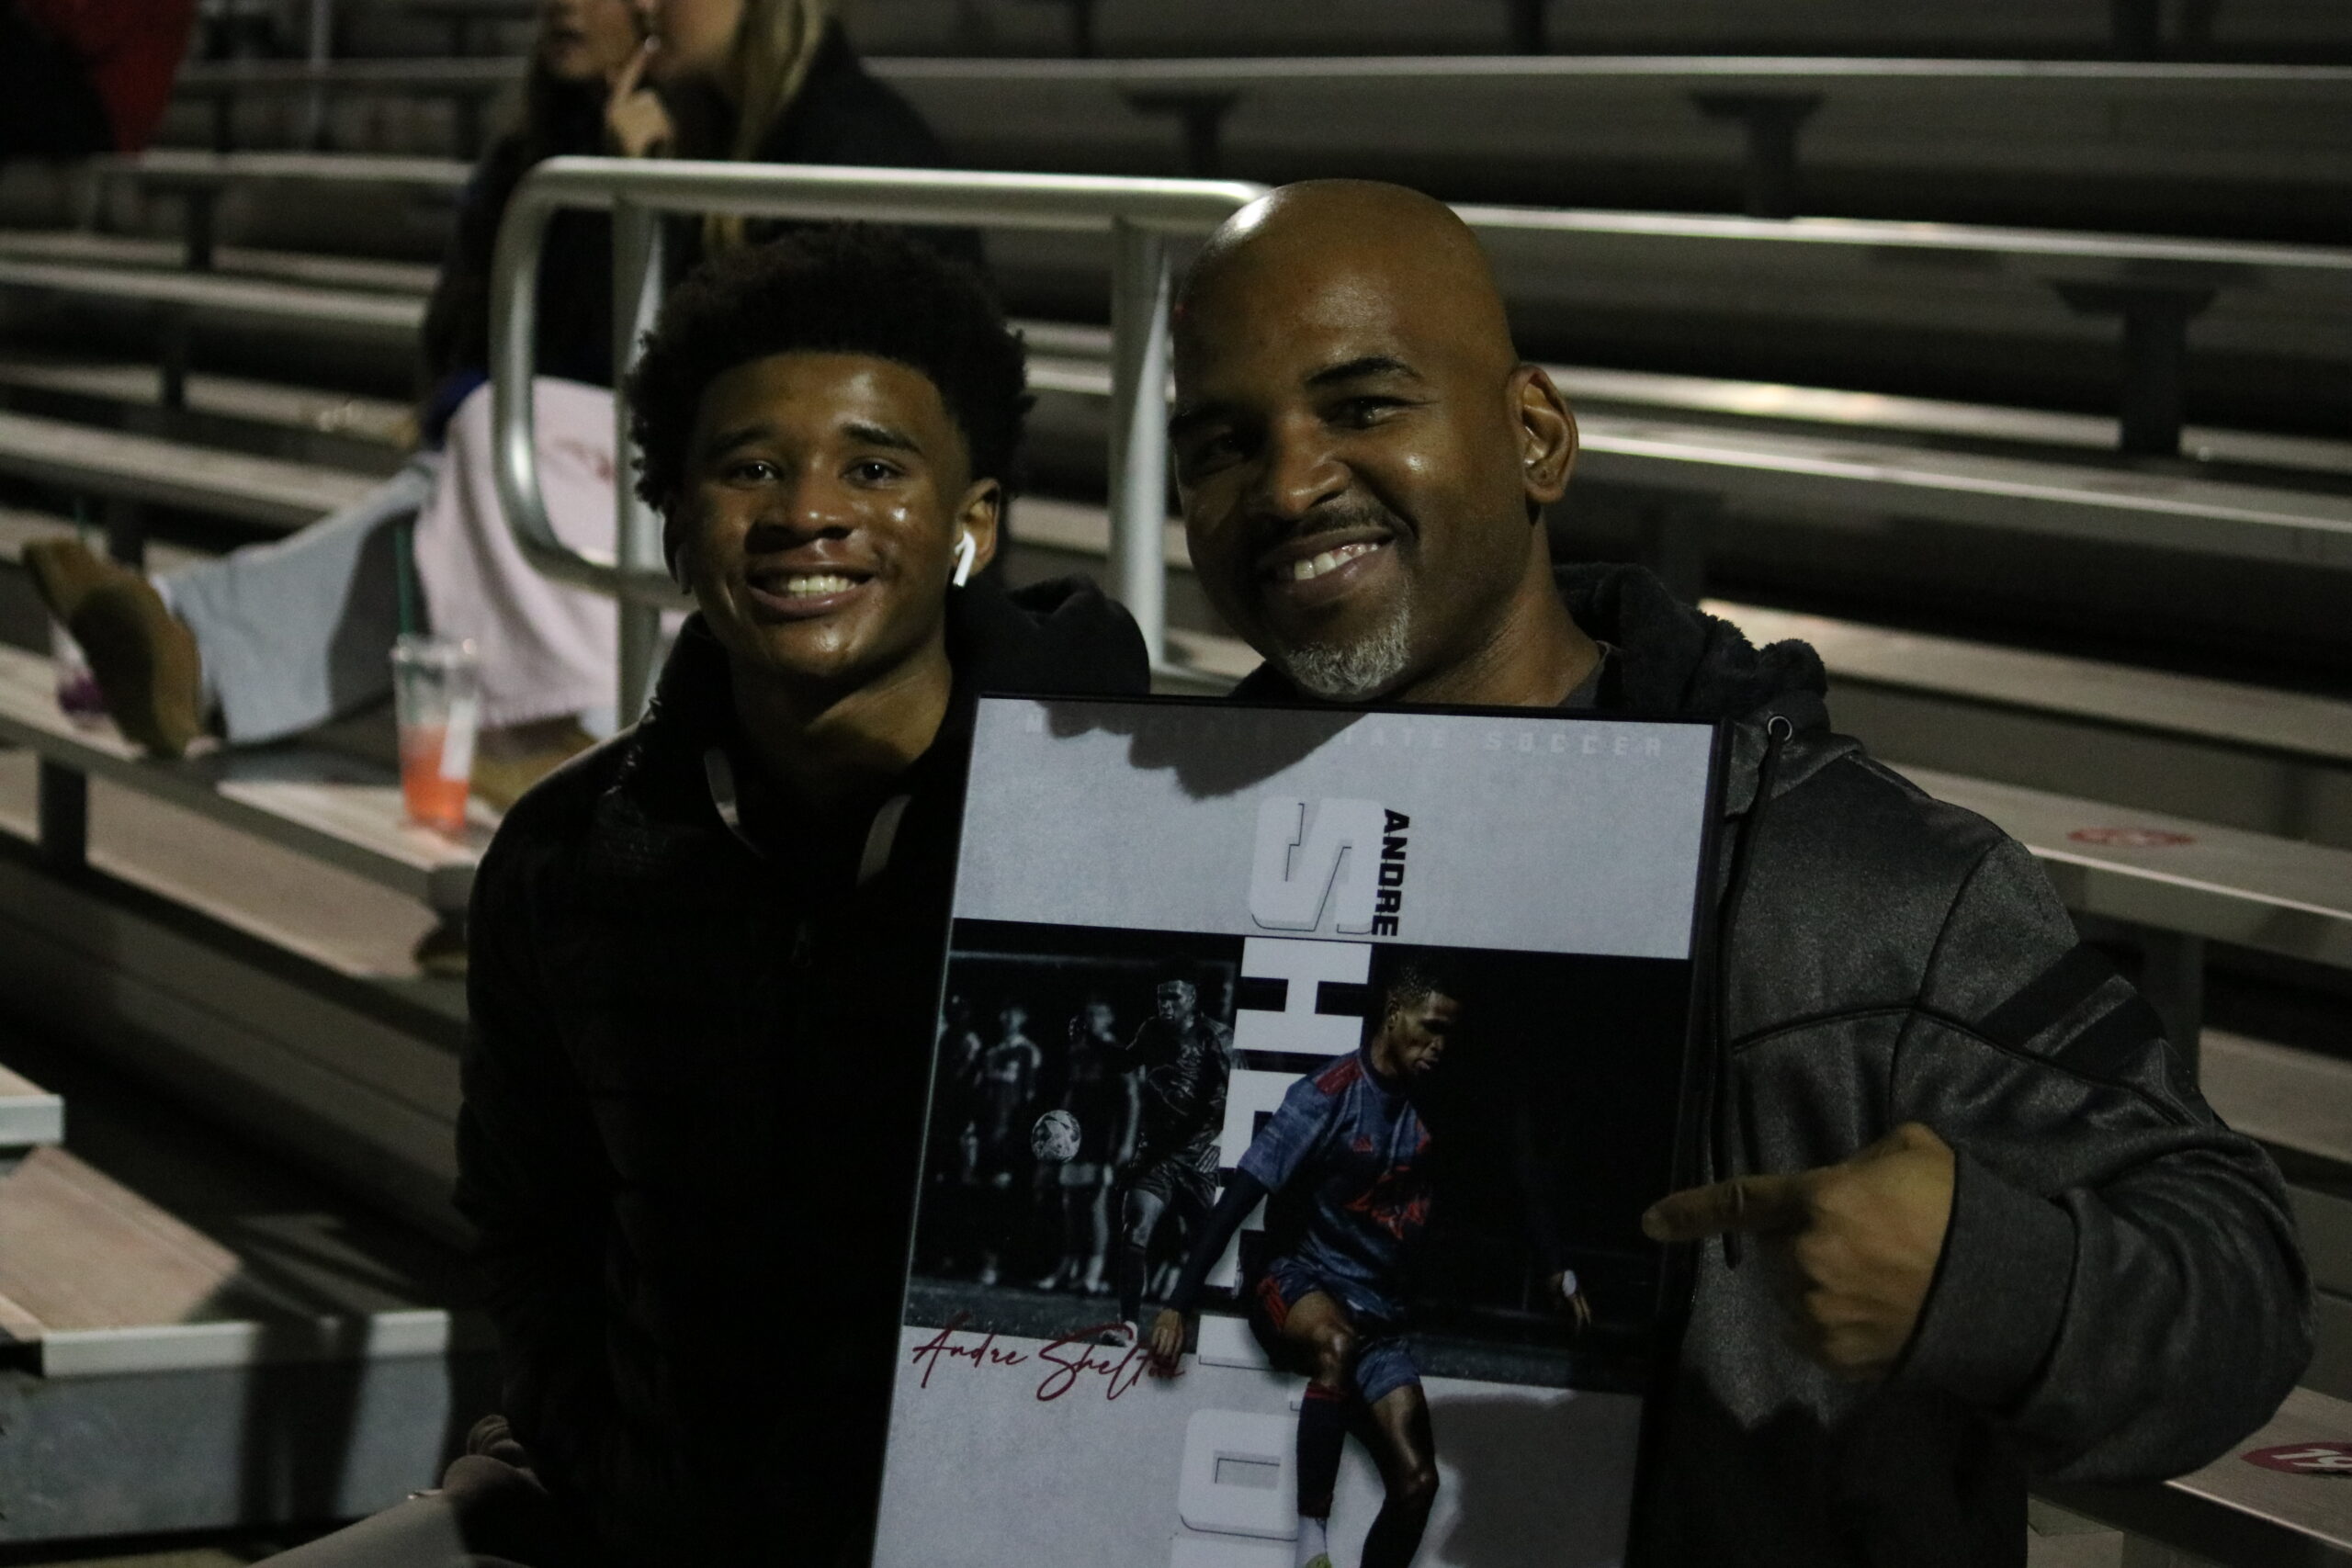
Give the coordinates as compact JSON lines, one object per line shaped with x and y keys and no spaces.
{"x":1341,"y":1074}
{"x":1269,"y":1297}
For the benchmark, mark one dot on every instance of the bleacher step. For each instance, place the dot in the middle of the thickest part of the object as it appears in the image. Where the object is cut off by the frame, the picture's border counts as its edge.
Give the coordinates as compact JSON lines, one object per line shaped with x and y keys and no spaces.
{"x":308,"y":409}
{"x":295,"y":902}
{"x":2228,"y":713}
{"x":30,"y":1117}
{"x":109,"y":1282}
{"x":339,"y":311}
{"x":2240,"y":1512}
{"x":2297,"y":1099}
{"x":19,"y":528}
{"x":81,"y":246}
{"x":2174,"y":875}
{"x":199,"y":1337}
{"x":330,"y":806}
{"x":266,"y":491}
{"x":2262,"y":718}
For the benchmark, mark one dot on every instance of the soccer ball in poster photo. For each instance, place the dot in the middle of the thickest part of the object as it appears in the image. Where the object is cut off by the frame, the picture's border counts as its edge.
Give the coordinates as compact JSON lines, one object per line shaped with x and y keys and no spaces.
{"x":1303,"y":1074}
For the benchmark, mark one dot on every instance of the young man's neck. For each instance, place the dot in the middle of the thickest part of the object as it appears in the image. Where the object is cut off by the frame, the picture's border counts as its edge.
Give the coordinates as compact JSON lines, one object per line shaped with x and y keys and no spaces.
{"x":837,"y":748}
{"x":1533,"y":655}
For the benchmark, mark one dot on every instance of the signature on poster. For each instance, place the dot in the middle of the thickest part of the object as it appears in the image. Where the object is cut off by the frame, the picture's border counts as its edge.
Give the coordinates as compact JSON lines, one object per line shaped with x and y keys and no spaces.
{"x":1074,"y":1357}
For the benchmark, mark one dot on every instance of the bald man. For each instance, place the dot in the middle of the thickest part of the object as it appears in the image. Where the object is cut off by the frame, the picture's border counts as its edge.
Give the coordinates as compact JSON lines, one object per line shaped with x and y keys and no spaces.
{"x":1992,"y":1232}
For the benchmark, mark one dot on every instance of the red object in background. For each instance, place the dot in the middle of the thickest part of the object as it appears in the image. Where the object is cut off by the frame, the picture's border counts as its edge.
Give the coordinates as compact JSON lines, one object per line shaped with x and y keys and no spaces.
{"x":2132,"y":838}
{"x":132,"y":50}
{"x":433,"y":799}
{"x":2306,"y":1459}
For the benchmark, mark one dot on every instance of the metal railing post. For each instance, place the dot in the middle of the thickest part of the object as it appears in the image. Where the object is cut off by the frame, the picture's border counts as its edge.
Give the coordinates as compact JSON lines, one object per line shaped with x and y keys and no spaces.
{"x":636,"y":297}
{"x":1139,"y":290}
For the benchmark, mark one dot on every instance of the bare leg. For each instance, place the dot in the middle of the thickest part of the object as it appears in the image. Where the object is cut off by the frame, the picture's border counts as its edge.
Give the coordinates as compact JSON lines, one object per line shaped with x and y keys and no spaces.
{"x":1406,"y":1451}
{"x":1095,"y":1218}
{"x":1317,"y":1334}
{"x":1140,"y":1218}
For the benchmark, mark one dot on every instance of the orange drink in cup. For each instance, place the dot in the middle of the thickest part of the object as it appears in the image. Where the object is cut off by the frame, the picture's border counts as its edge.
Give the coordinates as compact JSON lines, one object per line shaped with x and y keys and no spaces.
{"x":436,"y":703}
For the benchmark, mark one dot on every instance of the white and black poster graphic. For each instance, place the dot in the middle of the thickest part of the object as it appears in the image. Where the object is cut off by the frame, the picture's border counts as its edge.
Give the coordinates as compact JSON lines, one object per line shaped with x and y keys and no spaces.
{"x":1342,"y":1051}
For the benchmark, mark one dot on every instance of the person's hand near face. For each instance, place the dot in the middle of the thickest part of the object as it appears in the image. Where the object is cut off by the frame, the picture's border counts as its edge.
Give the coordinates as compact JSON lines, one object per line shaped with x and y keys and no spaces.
{"x":681,"y":37}
{"x":637,"y":123}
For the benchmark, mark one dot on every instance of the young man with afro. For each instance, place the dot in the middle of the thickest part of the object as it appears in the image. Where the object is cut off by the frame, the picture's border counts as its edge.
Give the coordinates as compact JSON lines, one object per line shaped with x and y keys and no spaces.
{"x":706,"y":952}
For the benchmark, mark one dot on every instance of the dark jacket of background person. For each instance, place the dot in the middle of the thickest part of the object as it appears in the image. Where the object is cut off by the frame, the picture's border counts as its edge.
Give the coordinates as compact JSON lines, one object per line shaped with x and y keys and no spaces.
{"x":83,"y":76}
{"x":2120,"y":1295}
{"x":843,"y":114}
{"x":694,"y":1089}
{"x":575,"y":293}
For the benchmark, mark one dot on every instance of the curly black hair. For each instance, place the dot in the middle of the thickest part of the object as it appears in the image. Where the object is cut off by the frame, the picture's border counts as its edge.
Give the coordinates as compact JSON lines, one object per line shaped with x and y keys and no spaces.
{"x":1402,"y":976}
{"x":829,"y":289}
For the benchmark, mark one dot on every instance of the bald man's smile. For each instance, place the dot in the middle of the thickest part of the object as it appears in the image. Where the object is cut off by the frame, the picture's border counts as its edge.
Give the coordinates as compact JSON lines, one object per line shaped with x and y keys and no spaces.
{"x":1320,"y":569}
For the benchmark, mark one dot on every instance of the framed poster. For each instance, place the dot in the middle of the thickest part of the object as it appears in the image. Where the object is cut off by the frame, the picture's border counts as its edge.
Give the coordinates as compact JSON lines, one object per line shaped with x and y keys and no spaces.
{"x":1343,"y":1049}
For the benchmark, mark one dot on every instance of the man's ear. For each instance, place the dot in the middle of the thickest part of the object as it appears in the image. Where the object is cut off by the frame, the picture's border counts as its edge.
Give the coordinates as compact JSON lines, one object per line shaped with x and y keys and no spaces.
{"x":1547,"y":434}
{"x":978,"y":515}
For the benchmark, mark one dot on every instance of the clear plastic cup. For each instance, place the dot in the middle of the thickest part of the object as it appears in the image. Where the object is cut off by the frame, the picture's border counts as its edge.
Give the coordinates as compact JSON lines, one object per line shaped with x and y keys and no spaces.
{"x":436,"y":703}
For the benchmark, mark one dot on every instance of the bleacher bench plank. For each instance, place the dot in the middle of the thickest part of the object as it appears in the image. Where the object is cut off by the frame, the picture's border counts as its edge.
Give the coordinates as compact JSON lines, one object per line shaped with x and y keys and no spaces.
{"x":326,"y":805}
{"x":339,"y":311}
{"x":2122,"y":506}
{"x":424,"y":76}
{"x":183,"y":167}
{"x":124,"y":251}
{"x":2275,"y":895}
{"x":2225,"y":712}
{"x":30,"y":1115}
{"x":259,"y":402}
{"x":110,"y":1281}
{"x":2289,"y":1097}
{"x":267,"y":491}
{"x":2241,"y":1513}
{"x":2262,"y":718}
{"x":1790,"y":470}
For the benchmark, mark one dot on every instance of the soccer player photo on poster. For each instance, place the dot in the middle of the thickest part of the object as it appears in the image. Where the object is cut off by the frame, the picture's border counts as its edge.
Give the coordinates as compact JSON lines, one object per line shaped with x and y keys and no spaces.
{"x":1303,"y":1076}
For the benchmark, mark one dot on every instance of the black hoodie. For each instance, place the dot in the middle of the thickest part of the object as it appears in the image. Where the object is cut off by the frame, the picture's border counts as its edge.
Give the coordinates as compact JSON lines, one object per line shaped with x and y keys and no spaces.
{"x":2121,"y":1295}
{"x":694,"y":1083}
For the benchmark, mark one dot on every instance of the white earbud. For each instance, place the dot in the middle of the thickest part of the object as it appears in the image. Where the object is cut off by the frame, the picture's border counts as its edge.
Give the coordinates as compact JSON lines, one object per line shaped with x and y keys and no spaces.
{"x":967,"y":552}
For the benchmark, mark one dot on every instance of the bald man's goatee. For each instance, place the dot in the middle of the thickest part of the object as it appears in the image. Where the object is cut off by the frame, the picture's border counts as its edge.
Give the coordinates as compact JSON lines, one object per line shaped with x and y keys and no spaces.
{"x":1351,"y":672}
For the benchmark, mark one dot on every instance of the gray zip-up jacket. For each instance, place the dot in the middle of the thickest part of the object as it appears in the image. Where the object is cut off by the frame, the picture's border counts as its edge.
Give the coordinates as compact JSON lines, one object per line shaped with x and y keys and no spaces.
{"x":2120,"y":1295}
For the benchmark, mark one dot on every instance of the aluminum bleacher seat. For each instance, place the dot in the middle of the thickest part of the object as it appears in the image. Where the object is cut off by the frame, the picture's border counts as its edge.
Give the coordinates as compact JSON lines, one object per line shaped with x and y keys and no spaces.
{"x":2257,"y":30}
{"x":194,"y":1336}
{"x":30,"y":1118}
{"x":2046,"y":141}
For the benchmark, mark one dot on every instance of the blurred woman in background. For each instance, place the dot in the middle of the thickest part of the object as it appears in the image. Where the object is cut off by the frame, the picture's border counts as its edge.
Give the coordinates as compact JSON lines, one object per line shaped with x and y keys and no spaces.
{"x":272,"y":640}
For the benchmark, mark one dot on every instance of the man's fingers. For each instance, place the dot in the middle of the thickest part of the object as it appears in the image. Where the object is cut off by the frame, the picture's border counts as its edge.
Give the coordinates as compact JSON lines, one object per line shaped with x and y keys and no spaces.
{"x":1748,"y":1203}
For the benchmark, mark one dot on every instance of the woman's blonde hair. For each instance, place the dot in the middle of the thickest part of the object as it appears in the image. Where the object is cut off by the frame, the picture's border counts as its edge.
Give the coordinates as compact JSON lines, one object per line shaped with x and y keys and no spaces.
{"x":776,"y":43}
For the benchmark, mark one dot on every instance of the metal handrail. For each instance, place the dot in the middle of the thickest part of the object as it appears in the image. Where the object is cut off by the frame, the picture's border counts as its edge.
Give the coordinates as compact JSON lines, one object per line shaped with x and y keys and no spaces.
{"x":1140,"y":215}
